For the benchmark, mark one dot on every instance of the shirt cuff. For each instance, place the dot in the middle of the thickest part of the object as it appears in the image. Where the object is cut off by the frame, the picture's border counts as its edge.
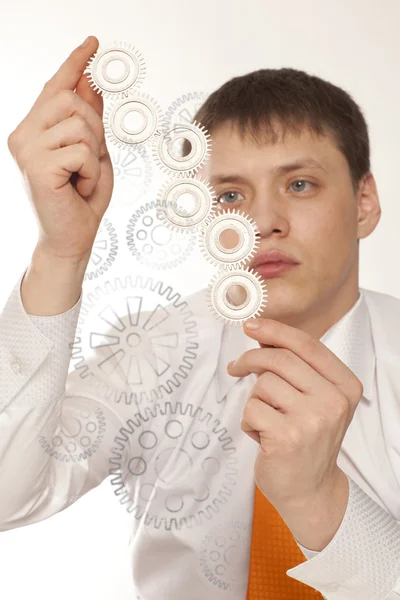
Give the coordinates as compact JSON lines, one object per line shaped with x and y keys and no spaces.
{"x":34,"y":351}
{"x":362,"y":561}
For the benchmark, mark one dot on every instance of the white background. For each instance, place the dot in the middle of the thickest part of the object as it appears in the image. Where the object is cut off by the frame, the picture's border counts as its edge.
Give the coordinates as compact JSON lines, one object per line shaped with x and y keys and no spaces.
{"x":188,"y":46}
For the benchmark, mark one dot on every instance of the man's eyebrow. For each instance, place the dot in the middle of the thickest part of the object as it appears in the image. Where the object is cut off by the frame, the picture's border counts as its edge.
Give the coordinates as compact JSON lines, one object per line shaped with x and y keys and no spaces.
{"x":299,"y":164}
{"x":281,"y":170}
{"x":216,"y":179}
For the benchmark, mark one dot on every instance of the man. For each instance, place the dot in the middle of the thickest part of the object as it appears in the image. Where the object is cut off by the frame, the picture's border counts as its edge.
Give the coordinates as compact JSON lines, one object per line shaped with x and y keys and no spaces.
{"x":320,"y":418}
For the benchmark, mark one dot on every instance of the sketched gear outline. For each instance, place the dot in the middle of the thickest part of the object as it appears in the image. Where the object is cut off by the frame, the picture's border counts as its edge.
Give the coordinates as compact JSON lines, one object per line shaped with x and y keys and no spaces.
{"x":125,"y":332}
{"x":252,"y":306}
{"x":117,"y":131}
{"x":143,"y":229}
{"x":220,"y":561}
{"x":104,"y":250}
{"x":184,"y":109}
{"x":133,"y":174}
{"x":173,"y":216}
{"x":248,"y":233}
{"x":134,"y":70}
{"x":157,"y":430}
{"x":199,"y":139}
{"x":80,"y":433}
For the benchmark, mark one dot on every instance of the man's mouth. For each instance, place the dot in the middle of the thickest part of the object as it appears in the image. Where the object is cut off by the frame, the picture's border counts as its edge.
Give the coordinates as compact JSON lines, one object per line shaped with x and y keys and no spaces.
{"x":272,"y":263}
{"x":272,"y":269}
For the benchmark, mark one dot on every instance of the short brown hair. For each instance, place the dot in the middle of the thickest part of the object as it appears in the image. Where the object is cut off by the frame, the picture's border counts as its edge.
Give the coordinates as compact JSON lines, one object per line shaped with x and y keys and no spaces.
{"x":294,"y":99}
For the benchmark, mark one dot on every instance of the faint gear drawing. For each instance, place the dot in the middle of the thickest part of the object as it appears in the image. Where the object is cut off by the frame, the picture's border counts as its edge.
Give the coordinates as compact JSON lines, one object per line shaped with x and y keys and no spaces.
{"x":174,"y":163}
{"x":246,"y":231}
{"x":224,"y":556}
{"x":80,"y":434}
{"x":131,"y":121}
{"x":183,"y":110}
{"x":184,"y":472}
{"x":133,"y":172}
{"x":186,"y":204}
{"x":104,"y":250}
{"x":154,"y":244}
{"x":129,"y":66}
{"x":252,"y":302}
{"x":136,"y":341}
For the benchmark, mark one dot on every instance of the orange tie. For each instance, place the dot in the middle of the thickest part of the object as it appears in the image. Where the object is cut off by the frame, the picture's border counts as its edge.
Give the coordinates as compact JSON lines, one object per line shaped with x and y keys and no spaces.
{"x":273,"y":552}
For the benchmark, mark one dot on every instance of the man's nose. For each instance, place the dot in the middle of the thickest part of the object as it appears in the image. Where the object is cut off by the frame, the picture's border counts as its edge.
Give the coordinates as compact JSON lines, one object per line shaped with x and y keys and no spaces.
{"x":270,"y":215}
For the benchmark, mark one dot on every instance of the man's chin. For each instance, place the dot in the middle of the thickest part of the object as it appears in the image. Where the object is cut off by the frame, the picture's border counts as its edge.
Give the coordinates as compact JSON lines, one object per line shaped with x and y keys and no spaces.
{"x":283,"y":300}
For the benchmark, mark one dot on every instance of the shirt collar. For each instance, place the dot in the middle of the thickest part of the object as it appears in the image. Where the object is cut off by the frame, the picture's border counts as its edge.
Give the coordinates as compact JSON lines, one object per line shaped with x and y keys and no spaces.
{"x":350,"y":339}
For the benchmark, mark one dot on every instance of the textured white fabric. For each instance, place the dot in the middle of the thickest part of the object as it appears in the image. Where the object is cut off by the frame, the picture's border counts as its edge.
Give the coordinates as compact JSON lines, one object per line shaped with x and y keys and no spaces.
{"x":172,"y":446}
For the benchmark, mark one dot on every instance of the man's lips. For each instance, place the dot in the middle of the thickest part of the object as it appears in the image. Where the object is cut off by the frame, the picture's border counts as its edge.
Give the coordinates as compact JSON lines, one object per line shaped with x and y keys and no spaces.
{"x":271,"y":269}
{"x":272,"y":263}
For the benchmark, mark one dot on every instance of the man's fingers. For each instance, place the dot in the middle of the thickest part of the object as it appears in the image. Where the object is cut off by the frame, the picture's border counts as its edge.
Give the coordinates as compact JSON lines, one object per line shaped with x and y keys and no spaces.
{"x":69,"y":74}
{"x":258,"y":416}
{"x":284,"y":363}
{"x":311,"y":350}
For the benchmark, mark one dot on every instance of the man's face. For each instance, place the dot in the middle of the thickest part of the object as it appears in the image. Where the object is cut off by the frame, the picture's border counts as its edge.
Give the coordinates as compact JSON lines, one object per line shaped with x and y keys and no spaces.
{"x":309,"y":212}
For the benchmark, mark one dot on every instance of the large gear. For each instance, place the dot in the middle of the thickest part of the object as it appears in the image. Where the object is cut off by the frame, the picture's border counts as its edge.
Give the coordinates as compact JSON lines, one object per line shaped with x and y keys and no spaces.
{"x":163,"y":149}
{"x":136,"y":340}
{"x":248,"y":233}
{"x":119,"y":132}
{"x":103,"y":82}
{"x":252,"y":305}
{"x":173,"y":203}
{"x":156,"y":455}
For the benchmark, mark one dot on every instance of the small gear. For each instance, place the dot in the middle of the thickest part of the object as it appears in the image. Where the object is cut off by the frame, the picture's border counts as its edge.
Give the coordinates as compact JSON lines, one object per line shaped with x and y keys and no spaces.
{"x":143,"y":109}
{"x":246,"y":229}
{"x":252,"y":305}
{"x":153,"y":244}
{"x":117,"y":86}
{"x":185,"y":204}
{"x":164,"y":146}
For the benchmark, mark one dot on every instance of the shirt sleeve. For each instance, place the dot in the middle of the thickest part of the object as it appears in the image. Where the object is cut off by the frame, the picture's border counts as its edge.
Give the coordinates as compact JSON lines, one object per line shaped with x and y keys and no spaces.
{"x":44,"y":464}
{"x":362,"y":561}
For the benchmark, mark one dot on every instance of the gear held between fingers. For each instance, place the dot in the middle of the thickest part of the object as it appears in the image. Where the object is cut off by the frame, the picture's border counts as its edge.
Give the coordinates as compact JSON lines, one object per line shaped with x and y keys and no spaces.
{"x":237,"y":295}
{"x":104,"y":76}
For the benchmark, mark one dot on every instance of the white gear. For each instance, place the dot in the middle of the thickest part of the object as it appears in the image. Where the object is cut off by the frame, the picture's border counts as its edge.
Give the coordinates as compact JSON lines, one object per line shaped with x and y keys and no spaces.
{"x":121,"y":133}
{"x":98,"y":71}
{"x":179,"y":217}
{"x":252,"y":306}
{"x":245,"y":227}
{"x":171,"y":164}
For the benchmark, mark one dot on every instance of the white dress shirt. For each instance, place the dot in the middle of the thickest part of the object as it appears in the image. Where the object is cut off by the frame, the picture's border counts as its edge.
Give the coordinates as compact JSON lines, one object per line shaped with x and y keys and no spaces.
{"x":167,"y":434}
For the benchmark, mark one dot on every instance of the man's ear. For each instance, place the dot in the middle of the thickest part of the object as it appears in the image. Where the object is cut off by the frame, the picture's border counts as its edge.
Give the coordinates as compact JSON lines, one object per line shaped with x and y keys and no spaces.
{"x":369,"y":208}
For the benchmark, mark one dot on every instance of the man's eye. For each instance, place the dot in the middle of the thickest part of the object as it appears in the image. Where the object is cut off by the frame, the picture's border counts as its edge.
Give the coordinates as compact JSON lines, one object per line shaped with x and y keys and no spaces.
{"x":228,"y":197}
{"x":301,"y":181}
